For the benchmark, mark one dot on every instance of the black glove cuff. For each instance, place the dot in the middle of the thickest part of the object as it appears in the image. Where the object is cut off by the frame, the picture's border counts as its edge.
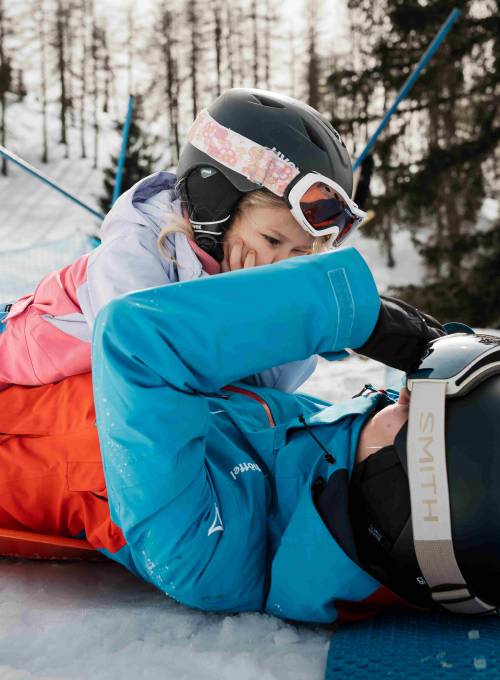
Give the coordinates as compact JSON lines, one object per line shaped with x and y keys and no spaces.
{"x":401,"y":335}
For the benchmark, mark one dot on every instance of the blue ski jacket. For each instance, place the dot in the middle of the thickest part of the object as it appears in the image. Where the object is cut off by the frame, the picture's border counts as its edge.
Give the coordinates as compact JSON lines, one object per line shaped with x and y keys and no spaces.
{"x":212,"y":486}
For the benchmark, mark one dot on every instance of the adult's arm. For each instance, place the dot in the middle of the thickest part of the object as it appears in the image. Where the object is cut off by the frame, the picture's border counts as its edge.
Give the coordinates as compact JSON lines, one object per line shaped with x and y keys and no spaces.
{"x":156,"y":355}
{"x":401,"y":334}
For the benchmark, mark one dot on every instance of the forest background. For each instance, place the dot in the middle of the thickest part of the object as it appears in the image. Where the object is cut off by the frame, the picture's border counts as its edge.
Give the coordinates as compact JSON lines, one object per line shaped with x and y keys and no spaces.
{"x":434,"y":168}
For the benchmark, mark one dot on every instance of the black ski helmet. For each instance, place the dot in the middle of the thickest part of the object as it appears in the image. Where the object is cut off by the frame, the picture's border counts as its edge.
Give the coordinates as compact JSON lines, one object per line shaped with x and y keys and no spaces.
{"x":459,"y":570}
{"x":293,"y":129}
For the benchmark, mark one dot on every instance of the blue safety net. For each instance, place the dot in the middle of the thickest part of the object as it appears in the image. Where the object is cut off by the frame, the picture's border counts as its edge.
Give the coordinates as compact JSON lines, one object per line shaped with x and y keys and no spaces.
{"x":21,"y":269}
{"x":416,"y":646}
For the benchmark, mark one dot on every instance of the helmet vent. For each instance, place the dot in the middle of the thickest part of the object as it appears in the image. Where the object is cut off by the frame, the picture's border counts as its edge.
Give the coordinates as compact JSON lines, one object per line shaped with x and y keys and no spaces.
{"x":314,"y":137}
{"x":267,"y":101}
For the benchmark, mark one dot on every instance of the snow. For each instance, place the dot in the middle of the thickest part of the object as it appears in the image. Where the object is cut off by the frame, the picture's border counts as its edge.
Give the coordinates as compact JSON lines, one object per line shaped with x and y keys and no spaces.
{"x":407,"y":269}
{"x":40,"y":230}
{"x":78,"y":621}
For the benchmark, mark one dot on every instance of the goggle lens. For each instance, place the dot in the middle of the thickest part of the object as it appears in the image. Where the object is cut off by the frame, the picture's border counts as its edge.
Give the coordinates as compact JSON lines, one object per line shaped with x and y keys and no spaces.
{"x":323,"y":208}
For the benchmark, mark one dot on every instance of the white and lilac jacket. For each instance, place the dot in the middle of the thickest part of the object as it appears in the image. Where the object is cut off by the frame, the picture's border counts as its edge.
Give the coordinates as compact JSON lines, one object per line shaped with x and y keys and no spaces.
{"x":47,"y":334}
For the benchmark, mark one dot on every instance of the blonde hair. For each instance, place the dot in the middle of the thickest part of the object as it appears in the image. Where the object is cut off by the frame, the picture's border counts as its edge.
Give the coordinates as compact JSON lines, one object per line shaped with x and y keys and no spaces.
{"x":173,"y":223}
{"x":253,"y":199}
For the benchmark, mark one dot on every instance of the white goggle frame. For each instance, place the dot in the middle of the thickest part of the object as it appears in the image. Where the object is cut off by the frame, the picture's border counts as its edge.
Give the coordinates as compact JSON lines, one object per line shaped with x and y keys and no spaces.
{"x":300,"y":187}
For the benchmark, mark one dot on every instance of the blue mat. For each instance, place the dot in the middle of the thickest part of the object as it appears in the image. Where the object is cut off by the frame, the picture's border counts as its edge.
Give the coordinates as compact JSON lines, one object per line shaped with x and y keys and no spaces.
{"x":416,"y":646}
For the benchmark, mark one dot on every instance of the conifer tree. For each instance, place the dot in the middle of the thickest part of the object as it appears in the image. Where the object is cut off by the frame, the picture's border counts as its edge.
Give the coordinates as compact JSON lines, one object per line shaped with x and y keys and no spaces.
{"x":444,"y":191}
{"x":140,"y":159}
{"x":436,"y":159}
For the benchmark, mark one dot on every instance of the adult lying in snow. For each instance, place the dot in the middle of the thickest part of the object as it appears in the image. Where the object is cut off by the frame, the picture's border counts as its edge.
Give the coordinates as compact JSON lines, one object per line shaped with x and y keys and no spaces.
{"x":224,"y":498}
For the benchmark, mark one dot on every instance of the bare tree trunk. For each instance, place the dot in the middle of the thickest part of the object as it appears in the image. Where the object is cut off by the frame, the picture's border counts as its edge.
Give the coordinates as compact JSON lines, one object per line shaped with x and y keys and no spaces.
{"x":68,"y":51}
{"x":439,"y":236}
{"x":291,"y":51}
{"x":43,"y":77}
{"x":456,"y":227}
{"x":194,"y":49}
{"x":230,"y":28}
{"x":106,"y":64}
{"x":267,"y":44}
{"x":83,"y":73}
{"x":175,"y":109}
{"x":130,"y":49}
{"x":218,"y":42}
{"x":253,"y":16}
{"x":20,"y":86}
{"x":61,"y":63}
{"x":95,"y":69}
{"x":313,"y":65}
{"x":240,"y":70}
{"x":4,"y":85}
{"x":171,"y":84}
{"x":388,"y":241}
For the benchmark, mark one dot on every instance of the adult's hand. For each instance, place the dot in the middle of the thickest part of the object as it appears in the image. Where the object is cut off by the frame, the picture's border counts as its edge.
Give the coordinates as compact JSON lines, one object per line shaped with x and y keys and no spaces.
{"x":401,"y":335}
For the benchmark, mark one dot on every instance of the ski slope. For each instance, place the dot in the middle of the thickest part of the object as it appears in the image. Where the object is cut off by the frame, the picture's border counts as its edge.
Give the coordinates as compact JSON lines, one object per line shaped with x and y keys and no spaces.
{"x":40,"y":230}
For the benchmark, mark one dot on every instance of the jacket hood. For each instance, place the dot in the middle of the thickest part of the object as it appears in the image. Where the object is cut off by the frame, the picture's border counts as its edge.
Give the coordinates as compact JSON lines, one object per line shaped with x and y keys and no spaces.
{"x":145,"y":204}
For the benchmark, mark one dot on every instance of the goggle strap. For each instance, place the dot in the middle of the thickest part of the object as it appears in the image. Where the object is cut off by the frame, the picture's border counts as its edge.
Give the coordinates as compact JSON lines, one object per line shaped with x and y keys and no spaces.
{"x":430,"y":500}
{"x":260,"y":165}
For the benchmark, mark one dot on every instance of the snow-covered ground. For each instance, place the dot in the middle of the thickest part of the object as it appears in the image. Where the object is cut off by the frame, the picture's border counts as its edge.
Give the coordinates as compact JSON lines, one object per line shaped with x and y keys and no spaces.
{"x":80,"y":621}
{"x":40,"y":230}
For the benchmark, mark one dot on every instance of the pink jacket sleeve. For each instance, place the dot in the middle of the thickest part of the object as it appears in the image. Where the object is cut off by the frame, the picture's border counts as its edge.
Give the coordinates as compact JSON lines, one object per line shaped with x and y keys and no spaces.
{"x":46,"y":336}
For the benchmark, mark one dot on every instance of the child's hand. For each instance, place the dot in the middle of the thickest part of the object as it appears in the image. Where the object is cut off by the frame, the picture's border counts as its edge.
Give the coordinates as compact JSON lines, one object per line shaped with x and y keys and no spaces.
{"x":236,"y":256}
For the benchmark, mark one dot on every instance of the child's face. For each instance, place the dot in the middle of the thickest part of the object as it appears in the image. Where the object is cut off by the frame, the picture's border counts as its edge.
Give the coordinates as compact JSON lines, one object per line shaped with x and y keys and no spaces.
{"x":263,"y":235}
{"x":381,"y":430}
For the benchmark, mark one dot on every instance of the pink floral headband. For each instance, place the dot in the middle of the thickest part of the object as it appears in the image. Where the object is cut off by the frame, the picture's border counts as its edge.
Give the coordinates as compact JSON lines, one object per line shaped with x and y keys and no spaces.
{"x":257,"y":163}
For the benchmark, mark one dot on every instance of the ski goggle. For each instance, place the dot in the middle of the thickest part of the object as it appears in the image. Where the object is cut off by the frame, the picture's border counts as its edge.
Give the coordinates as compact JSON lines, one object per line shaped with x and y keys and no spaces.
{"x":318,"y":204}
{"x":323,"y":208}
{"x":452,"y":366}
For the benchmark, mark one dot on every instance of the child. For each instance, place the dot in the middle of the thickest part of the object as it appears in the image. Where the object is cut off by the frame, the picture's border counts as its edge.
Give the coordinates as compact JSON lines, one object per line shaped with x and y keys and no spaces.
{"x":261,"y":179}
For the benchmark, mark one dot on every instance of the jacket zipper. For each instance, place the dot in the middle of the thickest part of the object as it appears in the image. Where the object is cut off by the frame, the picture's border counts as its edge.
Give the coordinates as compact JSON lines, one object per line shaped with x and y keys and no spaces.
{"x":255,"y":397}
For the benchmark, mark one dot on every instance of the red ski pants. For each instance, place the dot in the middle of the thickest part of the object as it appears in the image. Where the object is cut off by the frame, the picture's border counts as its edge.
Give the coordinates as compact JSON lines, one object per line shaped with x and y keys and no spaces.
{"x":51,"y":477}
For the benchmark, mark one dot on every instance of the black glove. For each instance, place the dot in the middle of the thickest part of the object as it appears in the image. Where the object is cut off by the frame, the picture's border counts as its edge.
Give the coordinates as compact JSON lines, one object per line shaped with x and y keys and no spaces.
{"x":401,"y":335}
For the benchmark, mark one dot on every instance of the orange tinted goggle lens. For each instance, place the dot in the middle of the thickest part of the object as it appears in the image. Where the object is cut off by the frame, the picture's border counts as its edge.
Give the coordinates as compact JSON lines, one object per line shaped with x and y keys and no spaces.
{"x":323,"y":207}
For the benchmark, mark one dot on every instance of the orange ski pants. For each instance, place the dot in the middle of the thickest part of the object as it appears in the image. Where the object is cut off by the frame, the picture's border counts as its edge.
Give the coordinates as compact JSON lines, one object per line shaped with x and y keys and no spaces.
{"x":51,"y":476}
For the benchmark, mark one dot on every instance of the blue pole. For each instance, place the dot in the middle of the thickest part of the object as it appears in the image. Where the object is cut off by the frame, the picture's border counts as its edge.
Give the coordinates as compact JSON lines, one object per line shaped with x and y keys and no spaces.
{"x":40,"y":175}
{"x":123,"y":152}
{"x":410,"y":82}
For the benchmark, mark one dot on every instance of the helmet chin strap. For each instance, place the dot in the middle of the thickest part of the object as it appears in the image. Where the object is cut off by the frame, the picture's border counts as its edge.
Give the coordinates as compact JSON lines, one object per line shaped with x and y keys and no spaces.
{"x":211,"y":200}
{"x":199,"y":226}
{"x":209,"y":238}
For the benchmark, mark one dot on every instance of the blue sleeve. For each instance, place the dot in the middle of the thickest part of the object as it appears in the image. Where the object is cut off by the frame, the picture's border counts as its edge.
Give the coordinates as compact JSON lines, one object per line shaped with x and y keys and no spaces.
{"x":152,"y":369}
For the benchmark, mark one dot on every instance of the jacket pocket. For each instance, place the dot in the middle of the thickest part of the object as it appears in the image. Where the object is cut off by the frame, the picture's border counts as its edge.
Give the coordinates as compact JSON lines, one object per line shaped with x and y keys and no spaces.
{"x":84,"y":462}
{"x":86,"y":476}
